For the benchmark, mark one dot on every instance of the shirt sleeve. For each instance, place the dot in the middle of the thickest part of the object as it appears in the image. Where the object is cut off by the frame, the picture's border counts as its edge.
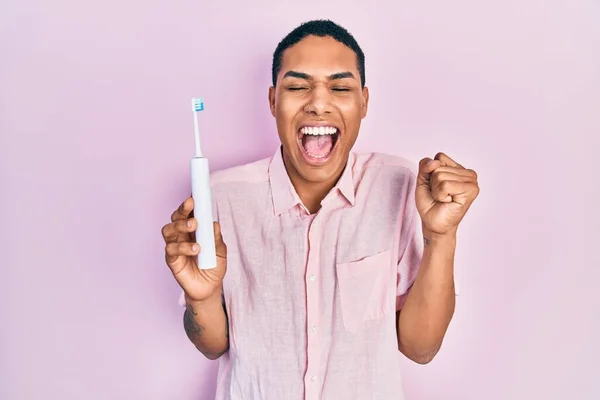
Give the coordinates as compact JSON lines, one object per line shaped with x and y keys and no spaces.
{"x":410,"y":251}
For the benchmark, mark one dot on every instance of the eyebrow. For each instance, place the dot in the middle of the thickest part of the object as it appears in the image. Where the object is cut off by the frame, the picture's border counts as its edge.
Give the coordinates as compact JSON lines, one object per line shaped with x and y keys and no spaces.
{"x":302,"y":75}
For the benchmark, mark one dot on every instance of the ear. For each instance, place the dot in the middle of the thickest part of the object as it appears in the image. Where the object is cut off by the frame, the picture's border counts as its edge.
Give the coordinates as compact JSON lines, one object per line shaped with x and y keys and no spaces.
{"x":272,"y":100}
{"x":365,"y":102}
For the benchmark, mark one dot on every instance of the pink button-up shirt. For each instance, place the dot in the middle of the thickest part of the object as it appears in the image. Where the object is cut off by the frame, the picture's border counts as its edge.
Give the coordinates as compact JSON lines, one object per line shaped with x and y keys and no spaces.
{"x":311,"y":299}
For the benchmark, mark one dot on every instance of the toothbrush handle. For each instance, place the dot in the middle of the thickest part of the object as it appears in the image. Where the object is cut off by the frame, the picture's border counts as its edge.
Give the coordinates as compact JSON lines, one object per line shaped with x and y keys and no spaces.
{"x":207,"y":258}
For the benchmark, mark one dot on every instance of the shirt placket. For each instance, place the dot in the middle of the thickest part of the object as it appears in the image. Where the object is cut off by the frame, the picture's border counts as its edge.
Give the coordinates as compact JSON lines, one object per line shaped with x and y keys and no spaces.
{"x":312,"y":378}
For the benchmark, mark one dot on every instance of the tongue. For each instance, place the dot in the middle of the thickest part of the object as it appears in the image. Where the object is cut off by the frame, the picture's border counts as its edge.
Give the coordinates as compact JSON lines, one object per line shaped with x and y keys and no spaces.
{"x":317,"y":145}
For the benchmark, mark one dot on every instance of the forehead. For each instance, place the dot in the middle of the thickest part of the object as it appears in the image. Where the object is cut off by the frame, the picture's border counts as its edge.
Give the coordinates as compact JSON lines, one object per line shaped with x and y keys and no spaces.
{"x":319,"y":54}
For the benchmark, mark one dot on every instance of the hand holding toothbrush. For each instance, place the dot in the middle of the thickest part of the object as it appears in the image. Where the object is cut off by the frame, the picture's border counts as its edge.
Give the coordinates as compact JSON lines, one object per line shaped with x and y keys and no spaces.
{"x":192,"y":248}
{"x":181,"y":253}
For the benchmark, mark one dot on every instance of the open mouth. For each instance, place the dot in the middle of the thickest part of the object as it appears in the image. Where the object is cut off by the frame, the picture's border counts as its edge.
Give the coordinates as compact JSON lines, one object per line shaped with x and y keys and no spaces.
{"x":318,"y":142}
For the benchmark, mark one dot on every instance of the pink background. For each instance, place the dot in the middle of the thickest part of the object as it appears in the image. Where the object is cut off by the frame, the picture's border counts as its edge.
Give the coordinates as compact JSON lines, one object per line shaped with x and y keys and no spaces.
{"x":96,"y":136}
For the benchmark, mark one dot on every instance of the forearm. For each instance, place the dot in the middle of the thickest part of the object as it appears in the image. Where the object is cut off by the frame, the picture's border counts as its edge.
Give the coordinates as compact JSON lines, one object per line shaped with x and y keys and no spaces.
{"x":206,"y":326}
{"x":429,"y":307}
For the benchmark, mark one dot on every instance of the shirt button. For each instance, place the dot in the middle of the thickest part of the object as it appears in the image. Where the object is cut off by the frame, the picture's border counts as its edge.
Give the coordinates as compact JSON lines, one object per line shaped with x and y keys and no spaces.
{"x":313,"y":378}
{"x":313,"y":328}
{"x":313,"y":277}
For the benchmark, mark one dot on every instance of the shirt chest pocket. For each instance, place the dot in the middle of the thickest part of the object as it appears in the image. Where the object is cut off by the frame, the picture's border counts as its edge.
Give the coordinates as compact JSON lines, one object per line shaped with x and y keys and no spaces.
{"x":366,"y":289}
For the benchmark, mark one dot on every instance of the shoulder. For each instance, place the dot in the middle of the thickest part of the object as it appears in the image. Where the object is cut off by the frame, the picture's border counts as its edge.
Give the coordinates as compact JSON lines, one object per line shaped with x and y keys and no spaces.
{"x":255,"y":172}
{"x":397,"y":166}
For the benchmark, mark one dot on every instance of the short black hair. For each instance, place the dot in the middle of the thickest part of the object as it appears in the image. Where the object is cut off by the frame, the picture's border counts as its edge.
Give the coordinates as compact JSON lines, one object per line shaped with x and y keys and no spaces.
{"x":321,"y":28}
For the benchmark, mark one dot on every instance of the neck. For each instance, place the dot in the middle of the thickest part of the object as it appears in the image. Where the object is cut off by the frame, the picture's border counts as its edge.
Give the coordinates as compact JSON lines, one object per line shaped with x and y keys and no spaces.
{"x":311,"y":193}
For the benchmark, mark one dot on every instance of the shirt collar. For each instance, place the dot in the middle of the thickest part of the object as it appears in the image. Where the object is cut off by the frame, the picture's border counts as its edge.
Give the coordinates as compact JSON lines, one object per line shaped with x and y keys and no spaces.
{"x":283,"y":193}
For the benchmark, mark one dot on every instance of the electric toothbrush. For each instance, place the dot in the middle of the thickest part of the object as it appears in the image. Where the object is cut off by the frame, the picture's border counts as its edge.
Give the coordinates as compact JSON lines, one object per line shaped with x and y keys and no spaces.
{"x":201,"y":193}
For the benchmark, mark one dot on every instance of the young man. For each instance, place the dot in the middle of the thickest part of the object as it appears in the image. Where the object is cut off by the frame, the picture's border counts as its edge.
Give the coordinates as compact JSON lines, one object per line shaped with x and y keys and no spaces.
{"x":330,"y":263}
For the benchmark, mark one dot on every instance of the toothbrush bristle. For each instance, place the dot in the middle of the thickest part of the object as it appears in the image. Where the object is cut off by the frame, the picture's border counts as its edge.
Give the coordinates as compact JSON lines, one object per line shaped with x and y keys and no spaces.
{"x":198,"y":104}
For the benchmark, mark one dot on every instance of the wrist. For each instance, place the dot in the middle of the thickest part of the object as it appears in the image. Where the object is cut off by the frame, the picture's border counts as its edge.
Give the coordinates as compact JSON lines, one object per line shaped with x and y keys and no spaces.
{"x":439,"y":250}
{"x":447,"y":239}
{"x":211,"y":300}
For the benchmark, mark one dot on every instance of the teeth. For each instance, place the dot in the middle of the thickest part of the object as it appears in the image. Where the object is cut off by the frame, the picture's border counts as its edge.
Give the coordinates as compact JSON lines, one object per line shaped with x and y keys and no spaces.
{"x":318,"y":130}
{"x":313,"y":156}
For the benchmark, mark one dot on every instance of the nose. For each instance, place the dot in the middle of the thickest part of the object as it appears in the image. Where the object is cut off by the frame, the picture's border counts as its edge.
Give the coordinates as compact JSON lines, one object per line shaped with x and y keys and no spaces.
{"x":319,"y":102}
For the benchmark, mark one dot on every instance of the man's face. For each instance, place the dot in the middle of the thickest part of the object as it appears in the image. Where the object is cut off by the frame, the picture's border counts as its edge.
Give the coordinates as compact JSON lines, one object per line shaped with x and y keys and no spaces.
{"x":318,"y":104}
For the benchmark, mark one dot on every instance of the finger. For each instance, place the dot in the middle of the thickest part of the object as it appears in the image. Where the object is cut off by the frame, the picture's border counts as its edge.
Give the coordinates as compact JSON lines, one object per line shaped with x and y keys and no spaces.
{"x":439,"y":178}
{"x":220,"y":246}
{"x":180,"y":230}
{"x":176,"y":253}
{"x":446,"y":161}
{"x":453,"y":191}
{"x":440,"y":175}
{"x":169,"y":233}
{"x":184,"y":210}
{"x":458,"y":171}
{"x":426,"y":167}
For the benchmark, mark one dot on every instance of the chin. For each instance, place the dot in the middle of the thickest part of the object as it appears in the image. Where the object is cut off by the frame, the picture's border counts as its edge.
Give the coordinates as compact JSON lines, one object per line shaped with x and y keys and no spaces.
{"x":321,"y":175}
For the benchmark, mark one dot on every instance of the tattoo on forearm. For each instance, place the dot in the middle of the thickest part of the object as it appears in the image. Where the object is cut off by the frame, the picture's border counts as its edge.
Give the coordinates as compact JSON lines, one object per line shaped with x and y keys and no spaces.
{"x":192,"y":327}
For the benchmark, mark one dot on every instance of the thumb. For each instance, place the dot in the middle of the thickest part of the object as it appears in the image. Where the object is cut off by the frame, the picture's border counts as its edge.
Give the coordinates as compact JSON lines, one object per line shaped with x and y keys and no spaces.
{"x":423,"y":196}
{"x":220,"y":246}
{"x":426,"y":167}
